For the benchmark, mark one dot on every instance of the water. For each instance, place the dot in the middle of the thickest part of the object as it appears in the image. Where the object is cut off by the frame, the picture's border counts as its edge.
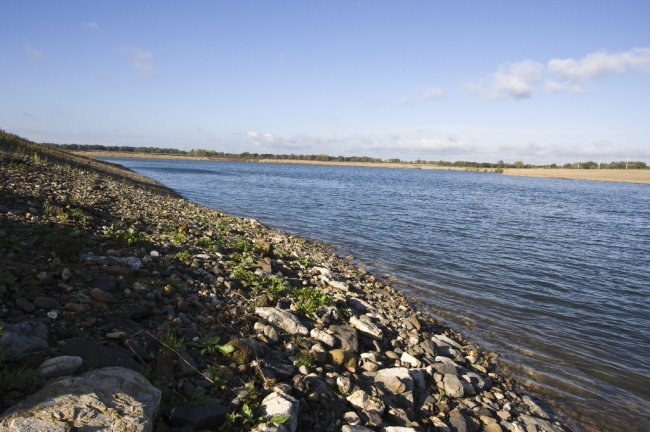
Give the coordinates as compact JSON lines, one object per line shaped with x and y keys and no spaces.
{"x":554,"y":275}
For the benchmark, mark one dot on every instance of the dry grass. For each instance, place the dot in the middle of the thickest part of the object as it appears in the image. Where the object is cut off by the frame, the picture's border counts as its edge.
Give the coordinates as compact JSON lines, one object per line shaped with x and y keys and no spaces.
{"x":611,"y":175}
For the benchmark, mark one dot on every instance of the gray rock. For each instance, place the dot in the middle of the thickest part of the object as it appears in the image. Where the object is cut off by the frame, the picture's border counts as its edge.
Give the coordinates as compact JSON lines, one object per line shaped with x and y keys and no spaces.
{"x":453,"y":387}
{"x":367,"y":329}
{"x":210,"y":416}
{"x":459,"y":422}
{"x":445,"y":368}
{"x":321,"y":336}
{"x":493,"y":427}
{"x":360,"y":305}
{"x":105,"y":399}
{"x":59,"y":366}
{"x":399,"y":429}
{"x":25,"y":305}
{"x":347,"y":337}
{"x":534,"y":407}
{"x":355,"y":428}
{"x":385,"y":379}
{"x":277,"y":369}
{"x":442,"y":340}
{"x":363,"y":402}
{"x":282,"y":319}
{"x":418,"y":378}
{"x":45,"y":303}
{"x":107,"y":284}
{"x":281,"y":404}
{"x":22,"y":338}
{"x":540,"y":423}
{"x":186,"y":363}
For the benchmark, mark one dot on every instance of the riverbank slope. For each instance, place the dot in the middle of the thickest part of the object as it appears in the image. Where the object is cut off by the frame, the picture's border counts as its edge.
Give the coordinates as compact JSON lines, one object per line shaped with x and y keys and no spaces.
{"x":232,"y":325}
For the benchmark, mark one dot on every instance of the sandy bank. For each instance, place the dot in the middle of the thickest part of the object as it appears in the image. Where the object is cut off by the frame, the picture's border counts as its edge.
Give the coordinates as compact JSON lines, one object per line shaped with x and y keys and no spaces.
{"x":609,"y":175}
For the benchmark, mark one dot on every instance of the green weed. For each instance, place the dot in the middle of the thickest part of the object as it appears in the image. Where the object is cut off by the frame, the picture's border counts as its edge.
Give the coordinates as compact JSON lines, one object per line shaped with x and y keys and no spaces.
{"x":171,"y":341}
{"x":210,"y":346}
{"x":309,"y":299}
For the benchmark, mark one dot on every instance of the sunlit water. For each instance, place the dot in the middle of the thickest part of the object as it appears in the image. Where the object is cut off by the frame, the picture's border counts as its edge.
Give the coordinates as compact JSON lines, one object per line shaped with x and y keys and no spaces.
{"x":553,"y":275}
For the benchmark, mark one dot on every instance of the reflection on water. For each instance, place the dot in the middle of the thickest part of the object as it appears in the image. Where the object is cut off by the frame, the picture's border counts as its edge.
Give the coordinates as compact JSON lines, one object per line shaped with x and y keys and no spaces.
{"x":553,"y":275}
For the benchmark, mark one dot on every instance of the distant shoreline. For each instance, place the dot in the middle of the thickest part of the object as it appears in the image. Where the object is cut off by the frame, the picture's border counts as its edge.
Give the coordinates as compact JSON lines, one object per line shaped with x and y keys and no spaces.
{"x":639,"y":176}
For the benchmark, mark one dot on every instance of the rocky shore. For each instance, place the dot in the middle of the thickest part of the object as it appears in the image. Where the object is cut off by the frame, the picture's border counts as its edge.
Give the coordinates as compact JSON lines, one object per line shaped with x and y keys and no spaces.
{"x":125,"y":307}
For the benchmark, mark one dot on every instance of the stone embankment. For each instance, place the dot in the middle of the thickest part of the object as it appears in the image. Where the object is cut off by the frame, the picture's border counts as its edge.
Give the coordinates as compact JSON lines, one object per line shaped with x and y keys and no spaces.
{"x":125,"y":307}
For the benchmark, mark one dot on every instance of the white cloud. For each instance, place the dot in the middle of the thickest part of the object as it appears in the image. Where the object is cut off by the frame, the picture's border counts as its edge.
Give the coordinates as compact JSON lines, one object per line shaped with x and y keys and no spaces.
{"x":33,"y":52}
{"x":405,"y":101}
{"x":90,"y":25}
{"x":142,"y":60}
{"x":433,"y":93}
{"x":517,"y":80}
{"x":574,"y":72}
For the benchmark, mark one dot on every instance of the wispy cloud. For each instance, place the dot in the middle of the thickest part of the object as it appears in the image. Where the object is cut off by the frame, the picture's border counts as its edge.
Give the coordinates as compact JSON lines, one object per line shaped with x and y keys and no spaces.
{"x":572,"y":73}
{"x":33,"y":52}
{"x":405,"y":101}
{"x":90,"y":25}
{"x":142,"y":60}
{"x":432,"y":94}
{"x":516,"y":80}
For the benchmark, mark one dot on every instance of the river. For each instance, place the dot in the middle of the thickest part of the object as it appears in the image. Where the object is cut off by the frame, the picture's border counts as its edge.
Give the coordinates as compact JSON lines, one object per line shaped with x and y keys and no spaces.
{"x":553,"y":275}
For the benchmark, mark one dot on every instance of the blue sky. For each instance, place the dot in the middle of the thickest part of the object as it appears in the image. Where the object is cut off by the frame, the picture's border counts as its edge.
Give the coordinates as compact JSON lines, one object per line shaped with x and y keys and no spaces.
{"x":546,"y":81}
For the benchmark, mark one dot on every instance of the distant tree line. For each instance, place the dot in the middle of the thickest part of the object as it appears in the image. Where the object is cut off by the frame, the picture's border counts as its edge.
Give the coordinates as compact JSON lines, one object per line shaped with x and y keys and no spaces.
{"x":327,"y":158}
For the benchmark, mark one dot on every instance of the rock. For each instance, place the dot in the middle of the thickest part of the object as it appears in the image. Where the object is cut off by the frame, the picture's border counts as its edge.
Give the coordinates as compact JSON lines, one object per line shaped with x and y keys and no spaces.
{"x":244,"y":351}
{"x":355,"y":428}
{"x":105,"y":283}
{"x":459,"y":422}
{"x":59,"y":366}
{"x":359,"y":305}
{"x":408,"y":358}
{"x":25,"y":305}
{"x":271,"y":334}
{"x":66,"y":275}
{"x":493,"y":427}
{"x":347,"y":337}
{"x":277,"y":369}
{"x":442,"y":340}
{"x":343,"y":358}
{"x":367,"y":329}
{"x":534,"y":407}
{"x":281,"y":404}
{"x":77,"y":307}
{"x":99,"y":355}
{"x":321,"y":336}
{"x":351,"y":418}
{"x":115,"y":399}
{"x":45,"y":303}
{"x":418,"y":378}
{"x":19,"y":339}
{"x":282,"y":319}
{"x":445,"y":368}
{"x":365,"y":403}
{"x":453,"y":387}
{"x":540,"y":423}
{"x":439,"y":425}
{"x":344,"y":384}
{"x":186,"y":363}
{"x":416,"y":323}
{"x":102,"y":296}
{"x":203,"y":417}
{"x":394,"y":380}
{"x":399,"y":429}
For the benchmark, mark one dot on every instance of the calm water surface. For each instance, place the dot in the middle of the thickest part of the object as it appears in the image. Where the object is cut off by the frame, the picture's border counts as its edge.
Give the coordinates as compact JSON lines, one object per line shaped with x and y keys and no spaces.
{"x":554,"y":275}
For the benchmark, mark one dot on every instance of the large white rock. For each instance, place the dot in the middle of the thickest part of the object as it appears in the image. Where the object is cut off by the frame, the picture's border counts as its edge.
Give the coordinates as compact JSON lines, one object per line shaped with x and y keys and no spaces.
{"x":282,"y":319}
{"x":107,"y":399}
{"x":281,"y":404}
{"x":324,"y":337}
{"x":367,"y":329}
{"x":362,"y":401}
{"x":385,"y":379}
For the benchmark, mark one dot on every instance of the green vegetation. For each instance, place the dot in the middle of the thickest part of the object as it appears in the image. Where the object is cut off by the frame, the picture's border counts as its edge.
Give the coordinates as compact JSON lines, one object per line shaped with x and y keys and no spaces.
{"x":310,"y":299}
{"x":171,"y":341}
{"x":210,"y":346}
{"x":304,"y":358}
